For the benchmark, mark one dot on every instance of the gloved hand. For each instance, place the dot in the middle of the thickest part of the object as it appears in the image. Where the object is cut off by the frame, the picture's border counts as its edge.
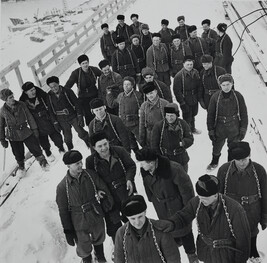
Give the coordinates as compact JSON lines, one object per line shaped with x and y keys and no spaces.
{"x":185,"y":108}
{"x":242,"y":134}
{"x":36,"y":133}
{"x":57,"y":127}
{"x":71,"y":237}
{"x":4,"y":143}
{"x":212,"y":135}
{"x":80,"y":121}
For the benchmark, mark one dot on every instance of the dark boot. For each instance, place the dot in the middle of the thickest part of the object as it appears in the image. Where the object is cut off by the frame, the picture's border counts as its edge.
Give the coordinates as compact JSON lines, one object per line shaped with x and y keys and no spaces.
{"x":88,"y":259}
{"x":61,"y":149}
{"x":214,"y":162}
{"x":99,"y":252}
{"x":47,"y":152}
{"x":21,"y":165}
{"x":43,"y":162}
{"x":69,"y":145}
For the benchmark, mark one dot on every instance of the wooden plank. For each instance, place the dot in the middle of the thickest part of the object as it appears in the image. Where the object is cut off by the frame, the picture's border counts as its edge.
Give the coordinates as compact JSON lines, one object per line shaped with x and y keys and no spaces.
{"x":19,"y":77}
{"x":54,"y":52}
{"x":9,"y":68}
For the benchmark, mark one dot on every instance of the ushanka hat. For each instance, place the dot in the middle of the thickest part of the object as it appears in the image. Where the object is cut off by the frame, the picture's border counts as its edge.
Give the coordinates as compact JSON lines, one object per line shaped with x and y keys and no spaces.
{"x":165,"y":22}
{"x":52,"y":79}
{"x":206,"y":21}
{"x":207,"y":185}
{"x":72,"y":156}
{"x":5,"y":93}
{"x":192,"y":28}
{"x":105,"y":25}
{"x":222,"y":27}
{"x":134,"y":205}
{"x":206,"y":59}
{"x":225,"y":77}
{"x":176,"y":36}
{"x":179,"y":18}
{"x":27,"y":86}
{"x":82,"y":58}
{"x":120,"y":17}
{"x":144,"y":26}
{"x":96,"y":103}
{"x":188,"y":58}
{"x":147,"y":71}
{"x":96,"y":137}
{"x":171,"y":108}
{"x":146,"y":154}
{"x":103,"y":63}
{"x":148,"y":87}
{"x":119,"y":40}
{"x":239,"y":150}
{"x":156,"y":35}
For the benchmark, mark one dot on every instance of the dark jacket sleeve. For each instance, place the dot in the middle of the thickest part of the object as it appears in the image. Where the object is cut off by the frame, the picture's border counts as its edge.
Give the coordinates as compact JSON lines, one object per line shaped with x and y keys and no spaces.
{"x":243,"y":112}
{"x":177,"y":89}
{"x":118,"y":248}
{"x":221,"y":176}
{"x":102,"y":47}
{"x":72,"y":79}
{"x":212,"y":112}
{"x":114,"y":62}
{"x":155,"y":136}
{"x":166,"y":92}
{"x":29,"y":116}
{"x":188,"y":137}
{"x":148,"y":191}
{"x":112,"y":101}
{"x":227,"y":50}
{"x":142,"y":128}
{"x":50,"y":109}
{"x":89,"y":162}
{"x":74,"y":100}
{"x":96,"y":71}
{"x":2,"y":126}
{"x":136,"y":64}
{"x":123,"y":133}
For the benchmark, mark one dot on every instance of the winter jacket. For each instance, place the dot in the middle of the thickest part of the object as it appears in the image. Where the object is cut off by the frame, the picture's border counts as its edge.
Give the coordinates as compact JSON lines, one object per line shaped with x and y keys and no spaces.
{"x":241,"y":184}
{"x":38,"y":107}
{"x":136,"y":28}
{"x":85,"y":81}
{"x":169,"y":189}
{"x":166,"y":36}
{"x":115,"y":173}
{"x":231,"y":112}
{"x":16,"y":124}
{"x":112,"y":80}
{"x":209,"y":83}
{"x":145,"y":249}
{"x":146,"y":40}
{"x":171,"y":142}
{"x":177,"y":57}
{"x":150,"y":113}
{"x":182,"y":30}
{"x":66,"y":107}
{"x":186,"y":87}
{"x":232,"y":234}
{"x":223,"y":51}
{"x":210,"y":37}
{"x":124,"y":31}
{"x":157,"y":58}
{"x":164,"y":91}
{"x":198,"y":47}
{"x":129,"y":105}
{"x":140,"y":54}
{"x":114,"y":128}
{"x":72,"y":194}
{"x":125,"y":63}
{"x":108,"y":44}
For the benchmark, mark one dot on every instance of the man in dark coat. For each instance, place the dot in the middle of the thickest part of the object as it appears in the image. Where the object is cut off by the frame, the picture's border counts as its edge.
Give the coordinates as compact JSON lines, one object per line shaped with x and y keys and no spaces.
{"x":37,"y":102}
{"x":143,"y":240}
{"x":182,"y":29}
{"x":107,"y":42}
{"x":113,"y":126}
{"x":65,"y":111}
{"x":209,"y":80}
{"x":136,"y":25}
{"x":172,"y":136}
{"x":166,"y":33}
{"x":186,"y":88}
{"x":246,"y":182}
{"x":210,"y":36}
{"x":197,"y":45}
{"x":117,"y":169}
{"x":124,"y":60}
{"x":145,"y":37}
{"x":85,"y":78}
{"x":129,"y":102}
{"x":139,"y":51}
{"x":223,"y":49}
{"x":123,"y":30}
{"x":18,"y":126}
{"x":79,"y":197}
{"x":177,"y":53}
{"x":227,"y":118}
{"x":169,"y":188}
{"x":223,"y":228}
{"x":109,"y":81}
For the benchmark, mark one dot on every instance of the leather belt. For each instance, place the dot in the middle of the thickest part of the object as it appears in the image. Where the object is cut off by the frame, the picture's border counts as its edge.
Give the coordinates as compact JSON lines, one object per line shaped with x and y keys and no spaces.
{"x":226,"y":119}
{"x":63,"y":112}
{"x":210,"y":91}
{"x":245,"y":200}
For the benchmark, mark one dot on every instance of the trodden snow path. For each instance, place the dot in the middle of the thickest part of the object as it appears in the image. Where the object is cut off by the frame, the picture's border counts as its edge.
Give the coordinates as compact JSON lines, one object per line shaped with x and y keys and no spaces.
{"x":30,"y":226}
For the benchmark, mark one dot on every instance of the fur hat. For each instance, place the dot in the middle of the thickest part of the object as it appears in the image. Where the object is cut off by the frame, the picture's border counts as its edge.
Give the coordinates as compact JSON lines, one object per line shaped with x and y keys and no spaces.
{"x":120,"y":17}
{"x":171,"y":108}
{"x":225,"y":77}
{"x":98,"y":136}
{"x":146,"y":154}
{"x":176,"y":36}
{"x":5,"y":93}
{"x":82,"y":58}
{"x":148,"y":87}
{"x":134,"y":205}
{"x":239,"y":150}
{"x":134,"y":36}
{"x":144,"y":26}
{"x":27,"y":86}
{"x":147,"y":71}
{"x":156,"y":35}
{"x":222,"y":27}
{"x":206,"y":21}
{"x":96,"y":103}
{"x":180,"y":18}
{"x":72,"y":156}
{"x":104,"y":25}
{"x":165,"y":22}
{"x":52,"y":79}
{"x":119,"y":40}
{"x":207,"y":185}
{"x":103,"y":63}
{"x":134,"y":15}
{"x":131,"y":79}
{"x":206,"y":59}
{"x":188,"y":58}
{"x":192,"y":28}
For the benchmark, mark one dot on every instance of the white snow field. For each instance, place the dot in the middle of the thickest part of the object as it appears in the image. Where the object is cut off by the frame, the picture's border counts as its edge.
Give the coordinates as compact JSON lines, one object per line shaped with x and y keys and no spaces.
{"x":30,"y":228}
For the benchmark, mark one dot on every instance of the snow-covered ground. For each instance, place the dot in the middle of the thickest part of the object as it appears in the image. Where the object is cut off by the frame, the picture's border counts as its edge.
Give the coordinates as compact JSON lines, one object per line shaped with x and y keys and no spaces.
{"x":30,"y":229}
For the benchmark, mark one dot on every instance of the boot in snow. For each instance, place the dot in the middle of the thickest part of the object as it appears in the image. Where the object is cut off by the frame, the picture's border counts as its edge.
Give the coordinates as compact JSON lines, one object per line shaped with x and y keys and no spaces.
{"x":43,"y":162}
{"x":47,"y":152}
{"x":214,"y":162}
{"x":192,"y":258}
{"x":21,"y":169}
{"x":51,"y":158}
{"x":196,"y":131}
{"x":99,"y":253}
{"x":70,"y":146}
{"x":87,"y":259}
{"x":61,"y":149}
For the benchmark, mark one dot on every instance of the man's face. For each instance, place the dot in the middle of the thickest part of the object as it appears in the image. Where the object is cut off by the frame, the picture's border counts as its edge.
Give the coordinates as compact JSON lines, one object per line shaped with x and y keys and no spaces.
{"x":171,"y":117}
{"x":152,"y":95}
{"x":188,"y":65}
{"x":145,"y":31}
{"x":102,"y":148}
{"x":54,"y":87}
{"x":207,"y":66}
{"x":193,"y":34}
{"x":134,"y":19}
{"x":135,"y":41}
{"x":31,"y":93}
{"x":85,"y":65}
{"x":176,"y":42}
{"x":147,"y":165}
{"x":127,"y":86}
{"x":106,"y":70}
{"x":149,"y":78}
{"x":156,"y":41}
{"x":164,"y":27}
{"x":121,"y":22}
{"x":206,"y":27}
{"x":121,"y":45}
{"x":10,"y":100}
{"x":105,"y":30}
{"x":208,"y":200}
{"x":100,"y":112}
{"x":181,"y":22}
{"x":242,"y":163}
{"x":76,"y":168}
{"x":226,"y":86}
{"x":137,"y":221}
